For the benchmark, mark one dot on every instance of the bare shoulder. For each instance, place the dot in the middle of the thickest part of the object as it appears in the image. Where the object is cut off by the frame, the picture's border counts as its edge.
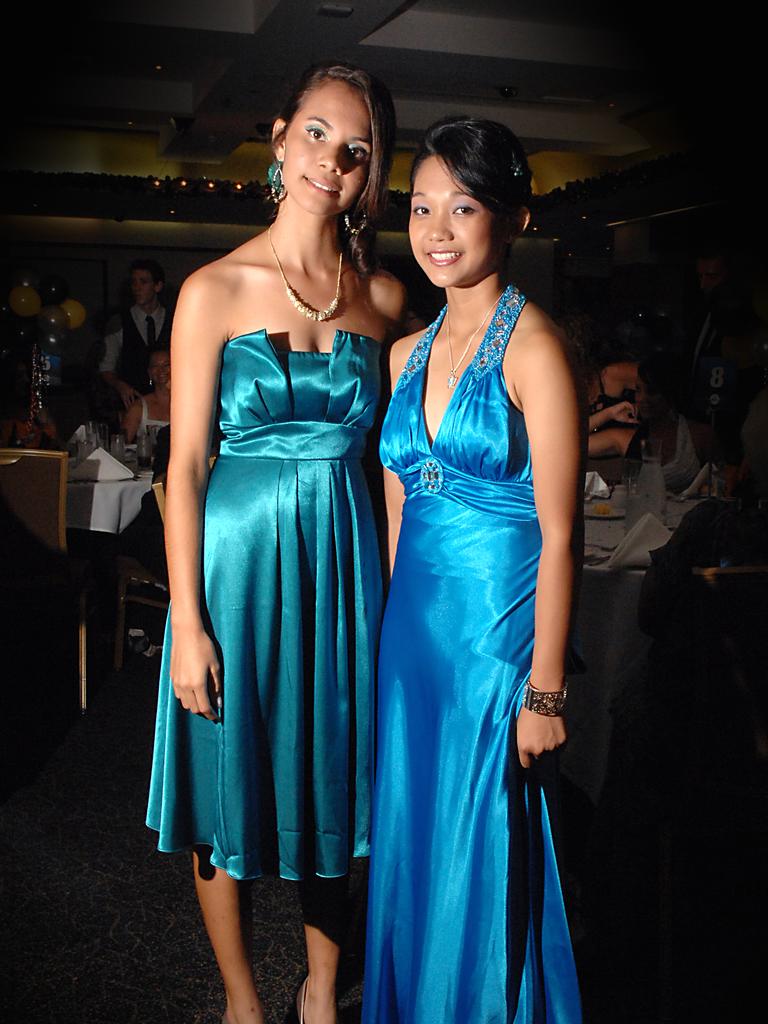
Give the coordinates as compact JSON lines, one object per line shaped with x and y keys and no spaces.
{"x":400,"y":351}
{"x":538,"y":360}
{"x":537,"y":337}
{"x":226,"y":276}
{"x":211,"y":294}
{"x":388,"y":295}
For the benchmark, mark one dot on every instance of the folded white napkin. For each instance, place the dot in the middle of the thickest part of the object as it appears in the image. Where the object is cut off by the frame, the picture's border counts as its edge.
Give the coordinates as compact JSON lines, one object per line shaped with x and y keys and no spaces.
{"x":100,"y":465}
{"x":595,"y":486}
{"x":646,"y":535}
{"x":79,"y":435}
{"x":692,"y":490}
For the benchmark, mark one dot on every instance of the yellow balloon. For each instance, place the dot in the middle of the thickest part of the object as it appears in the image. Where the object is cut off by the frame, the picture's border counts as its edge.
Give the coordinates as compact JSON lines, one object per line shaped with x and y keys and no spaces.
{"x":75,"y":313}
{"x":24,"y":300}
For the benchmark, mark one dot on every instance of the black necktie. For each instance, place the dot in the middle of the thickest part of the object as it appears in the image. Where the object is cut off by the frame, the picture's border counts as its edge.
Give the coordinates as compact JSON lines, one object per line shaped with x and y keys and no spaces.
{"x":151,"y":336}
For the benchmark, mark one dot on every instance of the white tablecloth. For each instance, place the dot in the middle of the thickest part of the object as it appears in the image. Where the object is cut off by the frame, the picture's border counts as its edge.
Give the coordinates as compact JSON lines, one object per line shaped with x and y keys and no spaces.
{"x":613,"y":648}
{"x":105,"y":506}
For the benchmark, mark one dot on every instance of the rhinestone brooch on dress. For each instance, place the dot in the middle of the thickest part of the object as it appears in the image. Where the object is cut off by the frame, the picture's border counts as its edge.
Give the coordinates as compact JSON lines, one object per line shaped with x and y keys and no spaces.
{"x":432,"y":476}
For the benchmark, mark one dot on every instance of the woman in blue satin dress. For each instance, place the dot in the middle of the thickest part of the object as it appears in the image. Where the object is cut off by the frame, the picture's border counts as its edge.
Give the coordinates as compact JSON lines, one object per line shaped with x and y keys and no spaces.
{"x":263,"y":750}
{"x":482,"y":450}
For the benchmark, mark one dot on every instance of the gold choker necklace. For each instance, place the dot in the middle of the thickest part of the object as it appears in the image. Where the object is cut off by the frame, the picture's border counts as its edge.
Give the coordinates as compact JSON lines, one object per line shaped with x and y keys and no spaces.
{"x":296,"y":300}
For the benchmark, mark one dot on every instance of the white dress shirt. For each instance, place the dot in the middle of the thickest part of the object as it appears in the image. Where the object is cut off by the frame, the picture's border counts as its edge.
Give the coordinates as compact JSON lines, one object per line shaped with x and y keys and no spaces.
{"x":113,"y":343}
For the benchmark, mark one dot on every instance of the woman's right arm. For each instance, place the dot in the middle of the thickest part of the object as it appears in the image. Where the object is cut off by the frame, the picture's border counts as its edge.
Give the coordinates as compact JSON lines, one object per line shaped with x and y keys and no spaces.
{"x":197,"y":341}
{"x":131,"y":421}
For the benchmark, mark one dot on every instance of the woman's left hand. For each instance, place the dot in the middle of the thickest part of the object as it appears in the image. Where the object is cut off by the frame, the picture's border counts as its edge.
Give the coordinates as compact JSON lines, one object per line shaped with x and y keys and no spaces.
{"x":538,"y":733}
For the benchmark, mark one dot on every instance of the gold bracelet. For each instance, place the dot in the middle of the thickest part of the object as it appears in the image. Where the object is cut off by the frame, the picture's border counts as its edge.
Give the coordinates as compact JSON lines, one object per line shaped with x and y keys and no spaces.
{"x":544,"y":702}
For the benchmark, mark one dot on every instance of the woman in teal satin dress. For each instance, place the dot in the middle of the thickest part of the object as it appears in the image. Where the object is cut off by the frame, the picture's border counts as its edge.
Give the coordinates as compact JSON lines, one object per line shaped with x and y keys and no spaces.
{"x":482,"y":450}
{"x":263,"y":750}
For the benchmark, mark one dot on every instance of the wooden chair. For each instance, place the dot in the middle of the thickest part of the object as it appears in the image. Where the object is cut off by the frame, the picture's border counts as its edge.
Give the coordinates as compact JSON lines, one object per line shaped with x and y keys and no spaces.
{"x":133,"y":581}
{"x":33,"y":489}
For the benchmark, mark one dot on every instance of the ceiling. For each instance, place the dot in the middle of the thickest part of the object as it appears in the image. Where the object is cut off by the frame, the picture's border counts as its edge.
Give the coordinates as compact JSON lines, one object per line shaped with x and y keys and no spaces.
{"x":207,"y":76}
{"x":671,"y":108}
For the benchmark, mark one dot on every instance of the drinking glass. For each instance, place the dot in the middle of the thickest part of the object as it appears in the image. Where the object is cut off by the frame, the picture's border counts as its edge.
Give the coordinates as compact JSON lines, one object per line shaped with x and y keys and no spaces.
{"x":117,"y":447}
{"x":92,"y":433}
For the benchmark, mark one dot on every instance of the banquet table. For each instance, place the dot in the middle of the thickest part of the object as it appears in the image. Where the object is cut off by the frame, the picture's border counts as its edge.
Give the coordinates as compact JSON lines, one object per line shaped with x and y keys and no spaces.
{"x":612,"y":646}
{"x":105,"y":506}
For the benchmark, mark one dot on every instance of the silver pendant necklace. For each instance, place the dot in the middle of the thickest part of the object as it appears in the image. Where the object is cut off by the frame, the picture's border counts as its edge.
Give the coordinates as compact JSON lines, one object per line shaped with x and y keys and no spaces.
{"x":452,"y":377}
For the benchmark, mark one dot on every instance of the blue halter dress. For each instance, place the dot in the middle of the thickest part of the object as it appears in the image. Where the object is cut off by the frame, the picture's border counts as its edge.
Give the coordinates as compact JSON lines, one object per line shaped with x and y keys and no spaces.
{"x":466,"y":922}
{"x":292,"y":595}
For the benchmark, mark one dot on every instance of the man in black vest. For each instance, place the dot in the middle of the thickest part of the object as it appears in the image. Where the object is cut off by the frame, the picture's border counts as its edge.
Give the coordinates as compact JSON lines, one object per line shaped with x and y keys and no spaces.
{"x":144,"y":327}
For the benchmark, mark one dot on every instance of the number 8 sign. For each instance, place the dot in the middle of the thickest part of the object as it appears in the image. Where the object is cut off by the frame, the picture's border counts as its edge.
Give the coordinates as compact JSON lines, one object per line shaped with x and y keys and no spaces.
{"x":715,"y":383}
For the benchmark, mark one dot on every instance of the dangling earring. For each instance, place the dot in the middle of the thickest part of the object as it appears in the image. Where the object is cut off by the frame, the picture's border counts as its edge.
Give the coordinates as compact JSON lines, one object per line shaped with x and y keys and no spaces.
{"x":276,"y":184}
{"x":354,"y":231}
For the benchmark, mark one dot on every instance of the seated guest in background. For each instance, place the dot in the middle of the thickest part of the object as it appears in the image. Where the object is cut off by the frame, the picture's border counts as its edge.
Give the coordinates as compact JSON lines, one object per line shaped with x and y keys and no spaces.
{"x":608,"y":379}
{"x":683,"y":444}
{"x":19,"y":429}
{"x":143,"y":328}
{"x":614,"y":383}
{"x":154,"y":408}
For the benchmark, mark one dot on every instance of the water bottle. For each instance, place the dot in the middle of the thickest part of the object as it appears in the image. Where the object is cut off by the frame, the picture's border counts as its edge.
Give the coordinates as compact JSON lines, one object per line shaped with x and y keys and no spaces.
{"x":649,"y":493}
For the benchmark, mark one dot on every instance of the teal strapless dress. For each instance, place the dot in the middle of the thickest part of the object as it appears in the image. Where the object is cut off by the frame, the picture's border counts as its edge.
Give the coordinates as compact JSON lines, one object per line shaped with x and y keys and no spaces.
{"x":292,"y":595}
{"x":466,"y":922}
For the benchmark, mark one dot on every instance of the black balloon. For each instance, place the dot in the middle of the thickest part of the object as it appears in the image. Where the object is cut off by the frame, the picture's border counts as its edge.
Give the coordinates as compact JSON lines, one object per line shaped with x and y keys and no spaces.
{"x":52,"y":339}
{"x":53,"y":290}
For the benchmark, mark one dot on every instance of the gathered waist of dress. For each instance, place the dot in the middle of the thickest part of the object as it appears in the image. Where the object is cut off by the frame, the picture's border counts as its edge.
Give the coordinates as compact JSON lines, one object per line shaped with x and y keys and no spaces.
{"x":506,"y":499}
{"x":311,"y":441}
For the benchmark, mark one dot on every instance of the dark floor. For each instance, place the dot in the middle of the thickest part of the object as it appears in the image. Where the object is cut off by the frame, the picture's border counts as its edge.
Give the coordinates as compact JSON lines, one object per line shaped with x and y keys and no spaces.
{"x":98,"y":928}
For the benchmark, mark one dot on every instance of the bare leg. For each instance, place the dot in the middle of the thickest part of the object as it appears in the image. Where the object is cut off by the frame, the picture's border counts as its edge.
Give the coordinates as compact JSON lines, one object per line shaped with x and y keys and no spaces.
{"x":225,"y":904}
{"x":325,"y":906}
{"x":323,"y":960}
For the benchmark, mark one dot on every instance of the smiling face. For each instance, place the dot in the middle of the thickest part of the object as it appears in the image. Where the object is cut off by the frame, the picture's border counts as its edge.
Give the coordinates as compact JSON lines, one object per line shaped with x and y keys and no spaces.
{"x":160,"y":368}
{"x":456,"y":240}
{"x":326,"y":149}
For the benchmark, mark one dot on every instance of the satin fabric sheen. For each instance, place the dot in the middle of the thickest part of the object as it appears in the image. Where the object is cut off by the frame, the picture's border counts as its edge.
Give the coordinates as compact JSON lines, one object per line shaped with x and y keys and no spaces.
{"x":292,"y":594}
{"x":466,"y":922}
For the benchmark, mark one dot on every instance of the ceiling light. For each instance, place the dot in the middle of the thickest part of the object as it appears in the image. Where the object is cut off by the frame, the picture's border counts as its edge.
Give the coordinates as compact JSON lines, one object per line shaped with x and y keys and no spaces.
{"x":158,"y":67}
